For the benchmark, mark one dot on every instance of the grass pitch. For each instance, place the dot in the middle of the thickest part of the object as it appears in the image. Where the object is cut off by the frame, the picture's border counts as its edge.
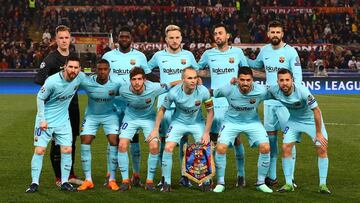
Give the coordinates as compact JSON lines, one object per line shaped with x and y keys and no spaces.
{"x":340,"y":112}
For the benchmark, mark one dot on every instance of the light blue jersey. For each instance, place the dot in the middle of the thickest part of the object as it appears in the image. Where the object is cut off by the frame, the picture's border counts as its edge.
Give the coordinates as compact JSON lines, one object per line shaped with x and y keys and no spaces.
{"x":242,"y":107}
{"x":275,"y":59}
{"x":57,"y":94}
{"x":100,"y":97}
{"x":188,"y":107}
{"x":299,"y":103}
{"x":141,"y":106}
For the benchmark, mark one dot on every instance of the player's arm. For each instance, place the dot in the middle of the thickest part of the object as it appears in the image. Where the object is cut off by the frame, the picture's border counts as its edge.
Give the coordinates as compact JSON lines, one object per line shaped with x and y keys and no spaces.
{"x":295,"y":65}
{"x":209,"y":119}
{"x":318,"y":122}
{"x":43,"y":72}
{"x":155,"y":132}
{"x":257,"y":63}
{"x":42,"y":95}
{"x":202,"y":64}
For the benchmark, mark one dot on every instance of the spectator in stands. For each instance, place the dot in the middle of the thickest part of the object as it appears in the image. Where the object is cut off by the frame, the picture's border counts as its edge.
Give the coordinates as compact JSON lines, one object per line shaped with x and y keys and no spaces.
{"x":46,"y":37}
{"x":352,"y":63}
{"x":4,"y":65}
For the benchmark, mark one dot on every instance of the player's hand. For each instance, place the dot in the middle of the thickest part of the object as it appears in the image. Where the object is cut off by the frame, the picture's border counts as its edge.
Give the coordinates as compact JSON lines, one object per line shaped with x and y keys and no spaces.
{"x":320,"y":138}
{"x":199,"y":81}
{"x":153,"y":135}
{"x":233,"y":81}
{"x":205,"y":139}
{"x":43,"y":125}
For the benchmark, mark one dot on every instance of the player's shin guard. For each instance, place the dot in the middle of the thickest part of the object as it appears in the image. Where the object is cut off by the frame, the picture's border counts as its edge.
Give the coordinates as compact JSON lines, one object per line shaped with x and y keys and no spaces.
{"x":152,"y":163}
{"x":66,"y":163}
{"x":220,"y":162}
{"x":183,"y":141}
{"x":273,"y":156}
{"x":123,"y":162}
{"x":113,"y":156}
{"x":287,"y":168}
{"x":293,"y":153}
{"x":86,"y":160}
{"x":323,"y":164}
{"x":36,"y":166}
{"x":263,"y":167}
{"x":55,"y":157}
{"x":135,"y":154}
{"x":167,"y":166}
{"x":240,"y":160}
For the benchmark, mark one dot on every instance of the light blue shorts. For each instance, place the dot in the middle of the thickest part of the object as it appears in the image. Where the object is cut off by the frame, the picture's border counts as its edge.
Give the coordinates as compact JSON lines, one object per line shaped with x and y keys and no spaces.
{"x":165,"y":122}
{"x":130,"y":127}
{"x":177,"y":130}
{"x":275,"y":117}
{"x":293,"y":130}
{"x":61,"y":134}
{"x":255,"y":133}
{"x":92,"y":123}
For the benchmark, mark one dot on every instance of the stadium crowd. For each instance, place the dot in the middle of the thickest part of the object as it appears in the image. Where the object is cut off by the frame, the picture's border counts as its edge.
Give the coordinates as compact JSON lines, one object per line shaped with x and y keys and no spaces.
{"x":19,"y":51}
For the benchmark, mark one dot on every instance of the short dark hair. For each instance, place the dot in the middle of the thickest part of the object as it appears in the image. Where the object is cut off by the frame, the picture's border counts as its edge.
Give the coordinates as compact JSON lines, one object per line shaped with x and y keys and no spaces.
{"x":61,"y":28}
{"x":103,"y":61}
{"x":220,"y":25}
{"x":125,"y":29}
{"x":275,"y":23}
{"x":135,"y":71}
{"x":72,"y":58}
{"x":285,"y":71}
{"x":245,"y":71}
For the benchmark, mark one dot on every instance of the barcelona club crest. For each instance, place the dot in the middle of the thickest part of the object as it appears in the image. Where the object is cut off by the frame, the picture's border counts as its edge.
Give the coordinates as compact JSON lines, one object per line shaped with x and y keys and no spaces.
{"x":198,"y":164}
{"x":183,"y":61}
{"x":231,"y":60}
{"x":197,"y":103}
{"x":148,"y":101}
{"x":132,"y":62}
{"x":281,"y":59}
{"x":111,"y":92}
{"x":252,"y":101}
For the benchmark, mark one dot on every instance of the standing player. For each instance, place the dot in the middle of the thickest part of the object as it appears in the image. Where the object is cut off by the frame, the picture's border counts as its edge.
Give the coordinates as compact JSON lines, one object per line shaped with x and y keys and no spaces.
{"x":101,"y":91}
{"x":122,"y":60}
{"x":171,"y":62}
{"x":242,"y":116}
{"x":51,"y":65}
{"x":52,"y":120}
{"x":140,"y":97}
{"x":224,"y":62}
{"x":305,"y":117}
{"x":187,"y":119}
{"x":273,"y":57}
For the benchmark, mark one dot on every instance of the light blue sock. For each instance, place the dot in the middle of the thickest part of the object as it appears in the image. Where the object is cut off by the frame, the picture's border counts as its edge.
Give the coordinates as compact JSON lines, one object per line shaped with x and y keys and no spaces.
{"x":135,"y":155}
{"x":86,"y":160}
{"x":162,"y":147}
{"x":123,"y":161}
{"x":152,"y":163}
{"x":273,"y":156}
{"x":293,"y":153}
{"x":240,"y":159}
{"x":36,"y":166}
{"x":66,"y":162}
{"x":113,"y":157}
{"x":323,"y":165}
{"x":263,"y":167}
{"x":220,"y":163}
{"x":287,"y":168}
{"x":107,"y":158}
{"x":167,"y":166}
{"x":181,"y":153}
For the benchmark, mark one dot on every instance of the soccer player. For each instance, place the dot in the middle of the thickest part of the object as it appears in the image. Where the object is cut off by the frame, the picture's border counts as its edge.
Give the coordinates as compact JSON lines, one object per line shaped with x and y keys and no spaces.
{"x":224,"y":62}
{"x":242,"y":116}
{"x":171,"y":62}
{"x":273,"y":57}
{"x":140,"y":97}
{"x":51,"y":65}
{"x":187,"y":119}
{"x":305,"y":117}
{"x":122,"y":60}
{"x":101,"y":91}
{"x":52,"y":120}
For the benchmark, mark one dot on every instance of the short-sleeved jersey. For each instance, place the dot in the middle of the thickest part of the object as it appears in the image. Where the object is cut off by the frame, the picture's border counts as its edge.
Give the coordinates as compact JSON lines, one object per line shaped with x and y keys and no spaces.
{"x":57,"y":94}
{"x":223,"y":65}
{"x":188,"y":107}
{"x":275,"y":59}
{"x":100,"y":97}
{"x":299,"y":103}
{"x":171,"y":66}
{"x":141,"y":106}
{"x":242,"y":107}
{"x":122,"y":63}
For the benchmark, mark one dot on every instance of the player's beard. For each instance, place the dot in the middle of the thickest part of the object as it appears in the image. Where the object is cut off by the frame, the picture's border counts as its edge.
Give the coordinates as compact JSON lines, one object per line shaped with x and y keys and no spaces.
{"x":220,"y":43}
{"x":275,"y":41}
{"x":124,"y":46}
{"x":174,"y":48}
{"x":286,"y":89}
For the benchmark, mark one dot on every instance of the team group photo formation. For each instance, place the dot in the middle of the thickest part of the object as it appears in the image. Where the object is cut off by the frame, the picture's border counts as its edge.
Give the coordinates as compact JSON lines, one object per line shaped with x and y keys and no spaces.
{"x":177,"y":104}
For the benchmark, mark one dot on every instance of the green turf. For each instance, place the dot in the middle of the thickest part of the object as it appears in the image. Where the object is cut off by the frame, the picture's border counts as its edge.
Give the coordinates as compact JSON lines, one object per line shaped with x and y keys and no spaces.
{"x":342,"y":112}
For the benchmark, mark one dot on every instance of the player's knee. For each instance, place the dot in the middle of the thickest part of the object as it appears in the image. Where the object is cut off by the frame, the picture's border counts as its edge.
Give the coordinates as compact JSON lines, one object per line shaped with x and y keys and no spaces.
{"x":286,"y":148}
{"x":123,"y":146}
{"x":322,"y":152}
{"x":113,"y":139}
{"x":221,"y":148}
{"x":154,"y":147}
{"x":66,"y":149}
{"x":169,"y":148}
{"x":264,"y":148}
{"x":40,"y":150}
{"x":86,"y":139}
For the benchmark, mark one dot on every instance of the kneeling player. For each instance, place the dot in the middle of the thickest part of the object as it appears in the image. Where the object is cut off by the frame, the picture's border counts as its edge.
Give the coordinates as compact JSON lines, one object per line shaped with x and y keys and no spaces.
{"x":242,"y":116}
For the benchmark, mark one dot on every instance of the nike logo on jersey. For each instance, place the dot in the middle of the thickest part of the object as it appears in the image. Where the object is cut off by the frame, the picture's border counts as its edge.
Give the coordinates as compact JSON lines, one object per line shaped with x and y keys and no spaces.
{"x":164,"y":61}
{"x":112,"y":61}
{"x":266,"y":58}
{"x":212,"y":60}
